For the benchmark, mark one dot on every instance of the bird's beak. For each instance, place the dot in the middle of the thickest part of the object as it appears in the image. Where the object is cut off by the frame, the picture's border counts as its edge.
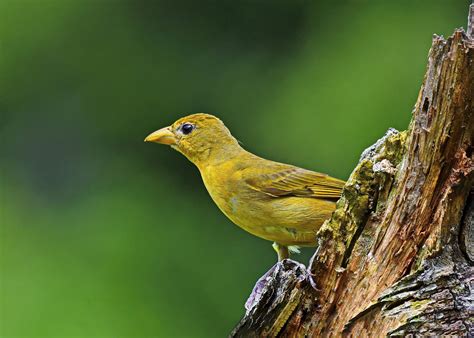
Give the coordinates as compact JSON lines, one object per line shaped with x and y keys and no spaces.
{"x":163,"y":136}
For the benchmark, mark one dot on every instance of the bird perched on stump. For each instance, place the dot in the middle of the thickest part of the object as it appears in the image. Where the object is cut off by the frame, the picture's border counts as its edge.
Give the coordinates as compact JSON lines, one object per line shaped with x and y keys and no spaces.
{"x":275,"y":201}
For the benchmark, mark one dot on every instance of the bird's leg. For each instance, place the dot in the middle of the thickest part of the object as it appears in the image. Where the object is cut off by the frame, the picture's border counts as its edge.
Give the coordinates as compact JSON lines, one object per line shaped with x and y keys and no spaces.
{"x":281,"y":250}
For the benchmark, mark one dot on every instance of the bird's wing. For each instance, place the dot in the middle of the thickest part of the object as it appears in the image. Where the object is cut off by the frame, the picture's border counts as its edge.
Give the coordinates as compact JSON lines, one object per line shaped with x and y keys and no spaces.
{"x":294,"y":181}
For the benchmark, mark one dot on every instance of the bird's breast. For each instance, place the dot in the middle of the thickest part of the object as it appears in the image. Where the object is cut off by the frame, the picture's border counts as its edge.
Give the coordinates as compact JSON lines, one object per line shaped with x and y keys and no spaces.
{"x":224,"y":190}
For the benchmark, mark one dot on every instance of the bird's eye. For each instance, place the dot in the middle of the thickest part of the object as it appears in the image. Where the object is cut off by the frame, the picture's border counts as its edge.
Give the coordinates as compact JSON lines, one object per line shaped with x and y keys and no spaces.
{"x":187,"y":128}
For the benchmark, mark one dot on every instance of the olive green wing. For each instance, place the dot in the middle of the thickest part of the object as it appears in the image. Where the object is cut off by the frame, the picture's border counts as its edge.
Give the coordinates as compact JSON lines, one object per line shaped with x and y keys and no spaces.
{"x":294,"y":181}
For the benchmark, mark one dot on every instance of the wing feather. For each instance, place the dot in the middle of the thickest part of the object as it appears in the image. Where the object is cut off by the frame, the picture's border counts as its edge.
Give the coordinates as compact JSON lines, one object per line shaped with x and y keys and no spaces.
{"x":294,"y":181}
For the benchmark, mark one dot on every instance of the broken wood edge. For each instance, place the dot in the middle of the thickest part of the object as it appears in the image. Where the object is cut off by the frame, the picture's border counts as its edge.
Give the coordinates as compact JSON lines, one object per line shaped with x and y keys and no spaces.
{"x":367,"y":190}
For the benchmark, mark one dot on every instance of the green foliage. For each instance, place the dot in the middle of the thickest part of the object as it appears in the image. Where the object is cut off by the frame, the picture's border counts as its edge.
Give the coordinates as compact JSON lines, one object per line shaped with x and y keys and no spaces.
{"x":105,"y":236}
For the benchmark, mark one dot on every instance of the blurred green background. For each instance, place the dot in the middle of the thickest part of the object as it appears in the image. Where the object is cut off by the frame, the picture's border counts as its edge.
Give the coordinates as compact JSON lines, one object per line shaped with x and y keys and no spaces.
{"x":103,"y":235}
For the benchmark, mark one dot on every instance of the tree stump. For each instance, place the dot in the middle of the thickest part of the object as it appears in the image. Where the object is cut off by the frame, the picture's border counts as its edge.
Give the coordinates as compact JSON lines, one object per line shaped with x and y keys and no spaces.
{"x":397,"y":256}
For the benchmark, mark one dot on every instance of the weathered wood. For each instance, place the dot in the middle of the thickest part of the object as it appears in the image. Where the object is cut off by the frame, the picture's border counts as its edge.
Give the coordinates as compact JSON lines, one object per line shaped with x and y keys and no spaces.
{"x":396,"y":258}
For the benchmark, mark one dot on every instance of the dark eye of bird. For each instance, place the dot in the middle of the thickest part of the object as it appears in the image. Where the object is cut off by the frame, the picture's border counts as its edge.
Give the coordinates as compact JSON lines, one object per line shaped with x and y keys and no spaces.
{"x":187,"y":128}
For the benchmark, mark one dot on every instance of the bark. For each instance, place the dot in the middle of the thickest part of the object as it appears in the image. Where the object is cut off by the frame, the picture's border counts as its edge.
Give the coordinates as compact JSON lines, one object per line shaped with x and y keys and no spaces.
{"x":397,"y":256}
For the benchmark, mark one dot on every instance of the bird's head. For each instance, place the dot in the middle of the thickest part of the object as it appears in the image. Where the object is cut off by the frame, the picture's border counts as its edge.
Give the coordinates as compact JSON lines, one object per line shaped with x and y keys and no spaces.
{"x":202,"y":138}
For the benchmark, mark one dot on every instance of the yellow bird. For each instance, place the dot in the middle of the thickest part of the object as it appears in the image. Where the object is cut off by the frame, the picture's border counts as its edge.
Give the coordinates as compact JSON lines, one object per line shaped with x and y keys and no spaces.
{"x":275,"y":201}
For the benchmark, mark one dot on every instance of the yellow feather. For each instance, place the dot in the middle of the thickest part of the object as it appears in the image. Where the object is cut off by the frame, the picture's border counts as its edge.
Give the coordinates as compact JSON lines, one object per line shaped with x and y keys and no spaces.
{"x":275,"y":201}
